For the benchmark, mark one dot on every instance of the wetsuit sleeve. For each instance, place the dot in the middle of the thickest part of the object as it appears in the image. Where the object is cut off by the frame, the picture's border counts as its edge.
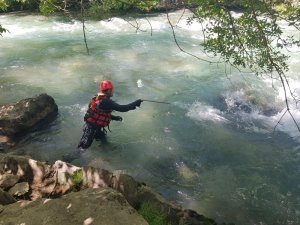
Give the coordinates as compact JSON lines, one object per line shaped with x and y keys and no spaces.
{"x":113,"y":117}
{"x":107,"y":104}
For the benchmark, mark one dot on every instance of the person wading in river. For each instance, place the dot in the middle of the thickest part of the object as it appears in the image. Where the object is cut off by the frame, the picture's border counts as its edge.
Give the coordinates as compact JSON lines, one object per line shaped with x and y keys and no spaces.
{"x":98,"y":117}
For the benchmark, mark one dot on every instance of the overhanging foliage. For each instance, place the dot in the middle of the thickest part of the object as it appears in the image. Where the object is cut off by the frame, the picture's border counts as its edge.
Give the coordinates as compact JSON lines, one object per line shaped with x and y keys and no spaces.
{"x":251,"y":39}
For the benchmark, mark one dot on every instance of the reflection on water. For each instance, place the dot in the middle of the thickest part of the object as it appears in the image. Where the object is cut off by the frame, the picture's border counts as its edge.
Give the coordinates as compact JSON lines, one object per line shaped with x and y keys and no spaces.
{"x":212,"y":149}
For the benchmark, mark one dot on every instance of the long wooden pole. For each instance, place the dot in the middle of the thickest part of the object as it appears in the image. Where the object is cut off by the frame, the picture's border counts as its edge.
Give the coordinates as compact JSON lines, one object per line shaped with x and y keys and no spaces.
{"x":146,"y":100}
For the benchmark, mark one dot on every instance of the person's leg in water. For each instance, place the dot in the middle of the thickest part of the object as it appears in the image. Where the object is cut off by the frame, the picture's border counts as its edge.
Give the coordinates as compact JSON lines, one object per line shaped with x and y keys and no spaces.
{"x":89,"y":132}
{"x":100,"y":135}
{"x":86,"y":140}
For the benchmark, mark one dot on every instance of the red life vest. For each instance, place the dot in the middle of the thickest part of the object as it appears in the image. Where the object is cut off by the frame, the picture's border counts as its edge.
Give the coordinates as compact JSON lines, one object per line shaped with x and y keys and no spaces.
{"x":95,"y":115}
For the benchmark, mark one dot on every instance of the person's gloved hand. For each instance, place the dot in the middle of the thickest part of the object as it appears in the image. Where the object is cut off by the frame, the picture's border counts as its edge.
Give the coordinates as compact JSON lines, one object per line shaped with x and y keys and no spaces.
{"x":118,"y":118}
{"x":138,"y":102}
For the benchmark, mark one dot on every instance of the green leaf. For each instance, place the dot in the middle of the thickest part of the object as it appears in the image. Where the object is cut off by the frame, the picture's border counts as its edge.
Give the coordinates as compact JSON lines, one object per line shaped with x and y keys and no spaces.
{"x":2,"y":30}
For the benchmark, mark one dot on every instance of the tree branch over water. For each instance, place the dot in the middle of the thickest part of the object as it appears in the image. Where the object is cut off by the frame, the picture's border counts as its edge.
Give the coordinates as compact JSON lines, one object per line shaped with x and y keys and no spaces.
{"x":2,"y":30}
{"x":83,"y":27}
{"x":177,"y":43}
{"x":250,"y":40}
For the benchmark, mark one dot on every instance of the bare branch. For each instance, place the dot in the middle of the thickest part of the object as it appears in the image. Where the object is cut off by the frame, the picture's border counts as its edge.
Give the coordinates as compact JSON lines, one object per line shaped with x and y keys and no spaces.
{"x":83,"y":26}
{"x":279,"y":120}
{"x":295,"y":122}
{"x":180,"y":17}
{"x":180,"y":48}
{"x":150,"y":25}
{"x":136,"y":26}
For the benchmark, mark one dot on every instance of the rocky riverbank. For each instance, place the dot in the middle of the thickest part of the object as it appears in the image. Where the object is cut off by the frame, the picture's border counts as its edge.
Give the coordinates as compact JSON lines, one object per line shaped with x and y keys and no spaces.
{"x":34,"y":192}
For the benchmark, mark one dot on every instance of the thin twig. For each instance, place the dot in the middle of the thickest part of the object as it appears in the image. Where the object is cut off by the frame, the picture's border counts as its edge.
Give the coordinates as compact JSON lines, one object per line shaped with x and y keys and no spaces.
{"x":137,"y":26}
{"x":180,"y":48}
{"x":83,"y":27}
{"x":279,"y":120}
{"x":180,"y":17}
{"x":150,"y":25}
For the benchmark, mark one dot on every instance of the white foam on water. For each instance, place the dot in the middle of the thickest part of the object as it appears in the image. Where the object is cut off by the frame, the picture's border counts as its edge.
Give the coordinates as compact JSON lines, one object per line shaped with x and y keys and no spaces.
{"x":294,"y":88}
{"x":156,"y":25}
{"x":16,"y":30}
{"x":76,"y":110}
{"x":139,"y":25}
{"x":129,"y":25}
{"x":115,"y":24}
{"x":140,"y":83}
{"x":287,"y":123}
{"x":203,"y":112}
{"x":193,"y":26}
{"x":249,"y":111}
{"x":23,"y":26}
{"x":67,"y":27}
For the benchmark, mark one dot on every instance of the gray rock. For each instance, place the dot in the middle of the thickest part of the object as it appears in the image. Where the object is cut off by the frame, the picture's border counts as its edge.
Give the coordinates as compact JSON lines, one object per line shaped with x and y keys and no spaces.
{"x":8,"y":180}
{"x":23,"y":115}
{"x":19,"y":189}
{"x":12,"y":169}
{"x":95,"y":206}
{"x":6,"y":198}
{"x":6,"y":142}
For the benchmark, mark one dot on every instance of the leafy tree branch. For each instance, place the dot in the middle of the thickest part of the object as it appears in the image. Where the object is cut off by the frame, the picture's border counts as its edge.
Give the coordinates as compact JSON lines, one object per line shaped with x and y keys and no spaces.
{"x":251,"y":39}
{"x":2,"y":30}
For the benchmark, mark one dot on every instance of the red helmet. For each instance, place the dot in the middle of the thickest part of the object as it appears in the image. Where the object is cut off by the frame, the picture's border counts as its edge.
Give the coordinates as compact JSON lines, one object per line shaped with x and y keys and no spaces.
{"x":106,"y":84}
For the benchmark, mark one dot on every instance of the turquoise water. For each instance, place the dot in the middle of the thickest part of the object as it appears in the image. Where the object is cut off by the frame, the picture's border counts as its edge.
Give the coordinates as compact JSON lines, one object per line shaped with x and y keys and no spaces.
{"x":212,"y":149}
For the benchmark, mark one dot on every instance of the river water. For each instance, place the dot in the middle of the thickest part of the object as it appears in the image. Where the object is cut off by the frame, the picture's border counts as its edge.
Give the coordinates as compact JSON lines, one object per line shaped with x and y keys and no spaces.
{"x":212,"y":149}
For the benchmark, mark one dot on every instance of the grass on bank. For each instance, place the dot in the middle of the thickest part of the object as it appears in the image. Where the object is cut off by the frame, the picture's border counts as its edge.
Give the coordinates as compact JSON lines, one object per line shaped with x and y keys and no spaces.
{"x":153,"y":215}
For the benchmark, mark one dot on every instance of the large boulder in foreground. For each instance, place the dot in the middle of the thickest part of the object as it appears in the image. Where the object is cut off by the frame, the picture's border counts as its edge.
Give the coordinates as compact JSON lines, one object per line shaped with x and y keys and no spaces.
{"x":25,"y":178}
{"x":19,"y":117}
{"x":103,"y":206}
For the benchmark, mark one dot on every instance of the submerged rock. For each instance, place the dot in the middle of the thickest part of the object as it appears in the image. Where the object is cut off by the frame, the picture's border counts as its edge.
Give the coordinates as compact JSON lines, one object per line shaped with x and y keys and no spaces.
{"x":19,"y":117}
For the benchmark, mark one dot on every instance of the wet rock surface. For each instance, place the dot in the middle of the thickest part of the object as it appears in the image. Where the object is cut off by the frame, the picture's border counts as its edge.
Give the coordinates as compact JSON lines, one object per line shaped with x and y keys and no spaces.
{"x":20,"y":117}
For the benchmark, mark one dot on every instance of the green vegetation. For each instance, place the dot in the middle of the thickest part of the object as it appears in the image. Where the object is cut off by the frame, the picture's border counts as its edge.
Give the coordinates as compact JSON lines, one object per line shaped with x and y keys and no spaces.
{"x":2,"y":30}
{"x":17,"y":5}
{"x":103,"y":9}
{"x":48,"y":7}
{"x":77,"y":179}
{"x":3,"y":6}
{"x":94,"y":8}
{"x":253,"y":39}
{"x":153,"y":215}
